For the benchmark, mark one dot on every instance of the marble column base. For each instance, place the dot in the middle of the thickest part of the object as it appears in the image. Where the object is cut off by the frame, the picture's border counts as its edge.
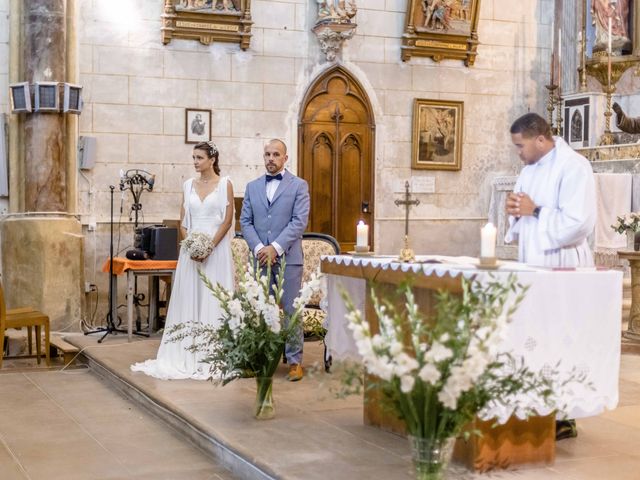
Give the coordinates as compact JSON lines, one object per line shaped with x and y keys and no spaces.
{"x":43,"y":267}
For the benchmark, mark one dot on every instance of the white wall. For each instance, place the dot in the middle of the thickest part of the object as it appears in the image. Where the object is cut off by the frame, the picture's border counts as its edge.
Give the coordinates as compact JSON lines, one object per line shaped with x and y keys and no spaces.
{"x":136,"y":91}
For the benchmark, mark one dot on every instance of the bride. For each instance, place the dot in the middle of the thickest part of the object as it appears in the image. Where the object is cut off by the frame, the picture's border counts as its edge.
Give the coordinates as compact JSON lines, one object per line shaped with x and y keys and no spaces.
{"x":207,"y":207}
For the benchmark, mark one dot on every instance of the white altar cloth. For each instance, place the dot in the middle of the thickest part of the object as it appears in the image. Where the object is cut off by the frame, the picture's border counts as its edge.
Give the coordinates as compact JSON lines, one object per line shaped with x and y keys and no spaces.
{"x":568,"y":316}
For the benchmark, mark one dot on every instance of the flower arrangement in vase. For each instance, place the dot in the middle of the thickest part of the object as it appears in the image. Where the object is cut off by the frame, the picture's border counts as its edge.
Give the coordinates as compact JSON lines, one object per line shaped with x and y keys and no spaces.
{"x":250,"y":338}
{"x":629,"y":224}
{"x":438,"y":374}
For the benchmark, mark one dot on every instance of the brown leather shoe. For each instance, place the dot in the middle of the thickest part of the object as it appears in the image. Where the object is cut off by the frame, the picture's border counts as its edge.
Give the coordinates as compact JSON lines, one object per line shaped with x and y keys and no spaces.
{"x":295,"y":372}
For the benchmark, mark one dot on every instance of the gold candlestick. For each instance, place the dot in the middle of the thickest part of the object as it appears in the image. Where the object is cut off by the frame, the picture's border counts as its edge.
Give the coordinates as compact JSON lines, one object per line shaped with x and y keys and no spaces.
{"x":583,"y":49}
{"x":607,"y":137}
{"x":406,"y":254}
{"x":551,"y":103}
{"x":559,"y":128}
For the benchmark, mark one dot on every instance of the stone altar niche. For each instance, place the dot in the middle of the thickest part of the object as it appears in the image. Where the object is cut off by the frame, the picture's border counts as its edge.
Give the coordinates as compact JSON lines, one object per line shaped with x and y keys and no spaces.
{"x":334,"y":25}
{"x":584,"y":121}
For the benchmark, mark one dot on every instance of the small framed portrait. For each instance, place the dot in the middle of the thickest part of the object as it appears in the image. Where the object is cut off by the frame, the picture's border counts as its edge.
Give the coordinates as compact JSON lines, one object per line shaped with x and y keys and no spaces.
{"x":437,"y":135}
{"x":197,"y":125}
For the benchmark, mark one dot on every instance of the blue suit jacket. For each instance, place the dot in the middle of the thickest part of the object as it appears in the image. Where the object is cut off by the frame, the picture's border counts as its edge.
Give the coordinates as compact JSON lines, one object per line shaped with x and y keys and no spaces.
{"x":283,"y":221}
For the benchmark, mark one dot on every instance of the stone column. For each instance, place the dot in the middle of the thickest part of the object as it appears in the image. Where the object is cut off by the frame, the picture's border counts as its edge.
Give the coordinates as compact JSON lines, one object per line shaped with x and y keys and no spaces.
{"x":42,"y":242}
{"x":44,"y":59}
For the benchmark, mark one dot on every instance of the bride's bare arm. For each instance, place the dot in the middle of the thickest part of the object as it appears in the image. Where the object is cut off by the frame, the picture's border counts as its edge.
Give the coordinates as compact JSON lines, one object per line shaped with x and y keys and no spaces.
{"x":228,"y":217}
{"x":183,"y":231}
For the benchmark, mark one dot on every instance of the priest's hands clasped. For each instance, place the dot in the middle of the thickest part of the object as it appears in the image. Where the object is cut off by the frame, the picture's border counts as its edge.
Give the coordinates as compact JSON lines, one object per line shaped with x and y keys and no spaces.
{"x":519,"y":204}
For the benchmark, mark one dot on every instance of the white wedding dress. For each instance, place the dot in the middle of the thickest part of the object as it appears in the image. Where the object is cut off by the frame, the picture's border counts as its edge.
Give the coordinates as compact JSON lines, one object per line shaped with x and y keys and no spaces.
{"x":191,"y":300}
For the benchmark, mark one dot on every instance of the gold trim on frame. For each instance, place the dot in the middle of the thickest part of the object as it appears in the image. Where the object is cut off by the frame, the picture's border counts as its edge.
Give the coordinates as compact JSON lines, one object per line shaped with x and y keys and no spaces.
{"x":207,"y":25}
{"x":431,"y":37}
{"x":437,"y":134}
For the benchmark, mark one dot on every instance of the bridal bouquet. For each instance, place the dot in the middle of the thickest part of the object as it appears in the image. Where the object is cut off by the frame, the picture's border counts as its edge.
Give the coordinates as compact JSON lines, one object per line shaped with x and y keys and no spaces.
{"x":198,"y":245}
{"x":437,"y":374}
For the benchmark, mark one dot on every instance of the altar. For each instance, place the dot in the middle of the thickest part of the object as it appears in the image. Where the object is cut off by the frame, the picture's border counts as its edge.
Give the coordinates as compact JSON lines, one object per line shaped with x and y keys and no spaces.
{"x":569,"y":320}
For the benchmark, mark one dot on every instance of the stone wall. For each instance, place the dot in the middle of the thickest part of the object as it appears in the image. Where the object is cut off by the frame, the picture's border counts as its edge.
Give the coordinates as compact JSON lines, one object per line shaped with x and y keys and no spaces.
{"x":136,"y":91}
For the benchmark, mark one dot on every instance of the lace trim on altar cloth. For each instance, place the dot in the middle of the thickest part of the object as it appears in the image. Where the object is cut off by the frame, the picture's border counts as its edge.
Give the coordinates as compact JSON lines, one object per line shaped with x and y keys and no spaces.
{"x":607,"y":257}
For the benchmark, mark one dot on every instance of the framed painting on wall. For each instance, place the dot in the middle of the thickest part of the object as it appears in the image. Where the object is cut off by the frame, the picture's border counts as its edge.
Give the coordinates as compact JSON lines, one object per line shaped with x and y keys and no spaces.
{"x":207,"y":21}
{"x":197,"y":125}
{"x":437,"y":135}
{"x":441,"y":29}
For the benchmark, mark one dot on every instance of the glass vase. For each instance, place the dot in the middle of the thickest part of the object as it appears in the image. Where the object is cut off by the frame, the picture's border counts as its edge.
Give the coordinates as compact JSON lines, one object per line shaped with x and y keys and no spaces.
{"x":265,"y":408}
{"x":431,"y":456}
{"x":633,"y":240}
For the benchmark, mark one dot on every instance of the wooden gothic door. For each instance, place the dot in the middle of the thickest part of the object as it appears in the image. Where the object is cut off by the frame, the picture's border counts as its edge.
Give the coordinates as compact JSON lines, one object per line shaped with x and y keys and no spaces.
{"x":336,"y":148}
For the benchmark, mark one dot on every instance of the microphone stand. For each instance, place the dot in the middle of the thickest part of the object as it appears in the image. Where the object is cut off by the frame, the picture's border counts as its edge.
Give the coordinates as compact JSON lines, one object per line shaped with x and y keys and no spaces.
{"x":113,"y":309}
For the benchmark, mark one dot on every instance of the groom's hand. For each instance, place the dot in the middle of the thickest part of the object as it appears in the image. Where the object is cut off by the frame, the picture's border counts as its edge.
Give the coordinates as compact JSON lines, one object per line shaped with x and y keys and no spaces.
{"x":267,"y":255}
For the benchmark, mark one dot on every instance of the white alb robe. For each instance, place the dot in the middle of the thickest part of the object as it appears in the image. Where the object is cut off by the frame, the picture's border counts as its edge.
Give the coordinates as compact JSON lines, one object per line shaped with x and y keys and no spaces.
{"x":562,"y":184}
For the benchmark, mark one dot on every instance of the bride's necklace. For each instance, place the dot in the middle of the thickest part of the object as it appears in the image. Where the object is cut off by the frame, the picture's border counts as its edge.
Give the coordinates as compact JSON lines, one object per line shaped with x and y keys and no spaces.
{"x":205,"y":180}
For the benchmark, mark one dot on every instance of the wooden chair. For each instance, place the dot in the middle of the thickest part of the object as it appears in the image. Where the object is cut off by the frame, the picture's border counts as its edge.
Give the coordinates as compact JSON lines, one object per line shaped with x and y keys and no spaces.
{"x":24,"y":317}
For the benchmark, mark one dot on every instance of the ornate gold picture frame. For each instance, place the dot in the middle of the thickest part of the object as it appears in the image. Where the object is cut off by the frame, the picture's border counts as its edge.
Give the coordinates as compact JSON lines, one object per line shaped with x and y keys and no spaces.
{"x":207,"y":21}
{"x":441,"y":29}
{"x":437,"y":135}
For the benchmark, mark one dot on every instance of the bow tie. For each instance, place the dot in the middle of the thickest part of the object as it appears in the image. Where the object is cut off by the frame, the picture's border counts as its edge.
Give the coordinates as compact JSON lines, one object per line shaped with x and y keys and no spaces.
{"x":274,"y":177}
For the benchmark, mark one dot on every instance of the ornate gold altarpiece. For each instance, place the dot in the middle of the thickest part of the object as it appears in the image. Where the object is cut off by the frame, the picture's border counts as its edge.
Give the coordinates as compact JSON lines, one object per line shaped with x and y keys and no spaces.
{"x":215,"y":21}
{"x":427,"y":35}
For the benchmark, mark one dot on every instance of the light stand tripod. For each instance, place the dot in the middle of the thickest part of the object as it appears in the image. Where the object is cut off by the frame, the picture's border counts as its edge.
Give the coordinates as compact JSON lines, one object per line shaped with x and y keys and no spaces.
{"x":113,"y":307}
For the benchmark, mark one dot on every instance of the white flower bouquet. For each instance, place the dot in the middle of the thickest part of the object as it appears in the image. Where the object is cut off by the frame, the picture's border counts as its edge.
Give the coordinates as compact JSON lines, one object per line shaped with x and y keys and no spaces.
{"x":250,"y":339}
{"x":198,"y":245}
{"x":627,"y":223}
{"x":437,"y":374}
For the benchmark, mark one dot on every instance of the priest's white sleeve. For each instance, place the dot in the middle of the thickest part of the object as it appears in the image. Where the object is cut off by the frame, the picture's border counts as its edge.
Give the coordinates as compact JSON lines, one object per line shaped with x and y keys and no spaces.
{"x":513,"y":230}
{"x":575,"y":216}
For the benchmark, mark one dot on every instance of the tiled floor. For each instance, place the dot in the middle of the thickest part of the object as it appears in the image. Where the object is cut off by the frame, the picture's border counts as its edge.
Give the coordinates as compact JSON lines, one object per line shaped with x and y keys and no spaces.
{"x":68,"y":425}
{"x":84,"y":430}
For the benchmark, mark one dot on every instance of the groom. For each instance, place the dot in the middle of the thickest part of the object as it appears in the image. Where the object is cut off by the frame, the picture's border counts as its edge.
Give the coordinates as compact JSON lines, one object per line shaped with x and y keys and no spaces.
{"x":274,"y":215}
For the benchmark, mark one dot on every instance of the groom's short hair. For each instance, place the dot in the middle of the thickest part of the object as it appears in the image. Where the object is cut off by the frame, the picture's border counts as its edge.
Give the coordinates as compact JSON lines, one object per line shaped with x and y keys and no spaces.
{"x":277,"y":140}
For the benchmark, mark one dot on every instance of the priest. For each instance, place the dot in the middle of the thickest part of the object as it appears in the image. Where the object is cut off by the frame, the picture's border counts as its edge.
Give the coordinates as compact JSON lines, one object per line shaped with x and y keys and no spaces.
{"x":552,"y":209}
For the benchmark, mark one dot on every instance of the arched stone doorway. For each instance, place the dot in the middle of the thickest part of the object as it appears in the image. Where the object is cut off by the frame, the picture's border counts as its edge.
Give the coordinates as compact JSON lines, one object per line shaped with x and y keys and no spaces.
{"x":336,"y":137}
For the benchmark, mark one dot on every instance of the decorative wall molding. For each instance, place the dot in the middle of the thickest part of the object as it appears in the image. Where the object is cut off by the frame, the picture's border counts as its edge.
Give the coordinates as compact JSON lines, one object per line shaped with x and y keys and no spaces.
{"x":334,"y":26}
{"x":207,"y":21}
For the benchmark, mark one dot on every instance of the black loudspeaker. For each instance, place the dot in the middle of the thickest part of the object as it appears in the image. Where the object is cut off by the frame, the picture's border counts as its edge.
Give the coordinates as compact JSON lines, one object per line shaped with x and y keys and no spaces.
{"x":164,"y":243}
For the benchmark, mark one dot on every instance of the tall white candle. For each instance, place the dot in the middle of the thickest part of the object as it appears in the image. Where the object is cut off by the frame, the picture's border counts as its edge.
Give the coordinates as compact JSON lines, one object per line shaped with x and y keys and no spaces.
{"x":609,"y":56}
{"x":560,"y":58}
{"x":362,"y":234}
{"x":488,"y":241}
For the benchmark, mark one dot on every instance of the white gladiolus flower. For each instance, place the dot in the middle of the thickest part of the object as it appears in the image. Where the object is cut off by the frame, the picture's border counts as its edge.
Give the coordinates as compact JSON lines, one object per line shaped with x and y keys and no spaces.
{"x":430,"y":374}
{"x":377,"y":341}
{"x":396,"y":348}
{"x":406,"y":383}
{"x":405,"y":364}
{"x":438,"y":353}
{"x":448,"y":398}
